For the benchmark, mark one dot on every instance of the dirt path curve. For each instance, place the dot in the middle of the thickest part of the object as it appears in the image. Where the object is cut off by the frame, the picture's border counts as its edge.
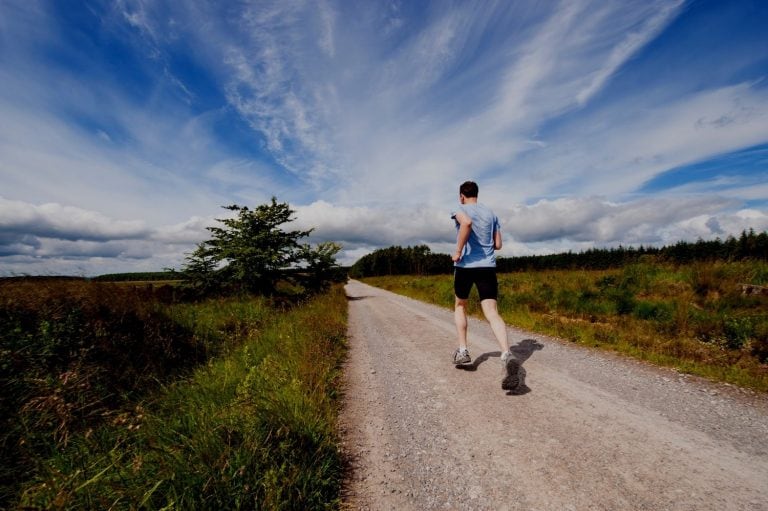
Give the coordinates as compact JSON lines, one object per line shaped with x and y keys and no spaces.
{"x":590,"y":431}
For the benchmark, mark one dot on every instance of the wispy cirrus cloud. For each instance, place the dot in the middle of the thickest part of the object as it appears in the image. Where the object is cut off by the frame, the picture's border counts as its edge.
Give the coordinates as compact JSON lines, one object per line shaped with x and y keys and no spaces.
{"x":636,"y":34}
{"x":539,"y":74}
{"x":616,"y":150}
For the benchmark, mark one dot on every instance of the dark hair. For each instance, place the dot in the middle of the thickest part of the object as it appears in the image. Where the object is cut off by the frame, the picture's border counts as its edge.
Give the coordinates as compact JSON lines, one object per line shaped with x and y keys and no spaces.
{"x":468,"y":189}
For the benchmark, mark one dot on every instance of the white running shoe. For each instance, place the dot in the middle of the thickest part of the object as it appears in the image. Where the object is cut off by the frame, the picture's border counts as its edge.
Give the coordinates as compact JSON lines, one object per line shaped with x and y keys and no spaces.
{"x":461,"y":357}
{"x":510,"y":371}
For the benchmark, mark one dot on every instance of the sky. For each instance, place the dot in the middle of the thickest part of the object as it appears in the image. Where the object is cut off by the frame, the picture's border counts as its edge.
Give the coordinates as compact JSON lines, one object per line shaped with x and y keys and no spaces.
{"x":127,"y":125}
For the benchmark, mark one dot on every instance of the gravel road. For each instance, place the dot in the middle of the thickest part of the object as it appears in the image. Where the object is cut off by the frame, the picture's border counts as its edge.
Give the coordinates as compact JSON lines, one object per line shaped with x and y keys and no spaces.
{"x":587,"y":430}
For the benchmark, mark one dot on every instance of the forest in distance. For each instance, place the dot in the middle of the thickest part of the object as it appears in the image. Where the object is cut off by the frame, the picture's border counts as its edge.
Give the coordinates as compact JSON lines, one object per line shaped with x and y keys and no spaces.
{"x":420,"y":260}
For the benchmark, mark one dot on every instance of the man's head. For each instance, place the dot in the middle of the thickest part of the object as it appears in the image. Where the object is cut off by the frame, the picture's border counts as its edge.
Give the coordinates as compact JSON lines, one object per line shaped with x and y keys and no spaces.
{"x":468,"y":189}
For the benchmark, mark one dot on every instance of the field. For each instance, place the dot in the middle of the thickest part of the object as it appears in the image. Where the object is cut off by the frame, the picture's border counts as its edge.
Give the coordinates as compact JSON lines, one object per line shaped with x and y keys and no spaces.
{"x":128,"y":396}
{"x":696,"y":318}
{"x":120,"y":397}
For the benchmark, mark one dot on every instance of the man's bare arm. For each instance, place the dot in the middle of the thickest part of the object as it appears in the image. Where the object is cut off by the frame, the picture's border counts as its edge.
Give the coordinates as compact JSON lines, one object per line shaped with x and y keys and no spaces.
{"x":465,"y":228}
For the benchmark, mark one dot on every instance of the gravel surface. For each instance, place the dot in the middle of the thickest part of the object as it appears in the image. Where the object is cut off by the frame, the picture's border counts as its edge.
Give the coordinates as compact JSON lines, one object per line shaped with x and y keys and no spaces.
{"x":586,"y":430}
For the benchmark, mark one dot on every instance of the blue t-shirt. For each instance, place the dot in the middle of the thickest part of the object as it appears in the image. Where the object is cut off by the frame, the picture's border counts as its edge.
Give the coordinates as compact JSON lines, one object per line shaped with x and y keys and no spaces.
{"x":479,"y":251}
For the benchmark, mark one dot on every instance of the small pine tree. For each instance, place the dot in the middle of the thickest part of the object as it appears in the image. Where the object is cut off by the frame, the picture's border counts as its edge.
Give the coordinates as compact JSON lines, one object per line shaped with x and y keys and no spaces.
{"x":252,"y":252}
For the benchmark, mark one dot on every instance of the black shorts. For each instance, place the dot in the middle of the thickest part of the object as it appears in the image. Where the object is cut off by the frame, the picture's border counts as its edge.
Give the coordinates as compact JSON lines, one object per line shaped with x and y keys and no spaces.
{"x":483,"y":278}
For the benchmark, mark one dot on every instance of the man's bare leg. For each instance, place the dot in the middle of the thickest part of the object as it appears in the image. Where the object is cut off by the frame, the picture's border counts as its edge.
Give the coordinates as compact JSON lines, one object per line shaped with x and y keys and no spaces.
{"x":510,"y":367}
{"x":460,"y":318}
{"x":491,"y":312}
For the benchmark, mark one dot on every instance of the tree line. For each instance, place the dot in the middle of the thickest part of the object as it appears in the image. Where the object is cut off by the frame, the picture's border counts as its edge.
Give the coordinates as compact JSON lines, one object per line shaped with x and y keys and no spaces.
{"x":419,"y":260}
{"x":137,"y":276}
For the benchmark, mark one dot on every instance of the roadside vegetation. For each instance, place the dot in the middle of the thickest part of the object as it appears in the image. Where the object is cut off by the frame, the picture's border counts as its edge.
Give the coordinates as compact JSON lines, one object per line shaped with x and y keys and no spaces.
{"x":704,"y":318}
{"x":212,"y":394}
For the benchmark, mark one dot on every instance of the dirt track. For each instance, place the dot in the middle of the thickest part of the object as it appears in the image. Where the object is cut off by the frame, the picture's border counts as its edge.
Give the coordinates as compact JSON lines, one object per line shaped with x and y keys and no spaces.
{"x":588,"y":431}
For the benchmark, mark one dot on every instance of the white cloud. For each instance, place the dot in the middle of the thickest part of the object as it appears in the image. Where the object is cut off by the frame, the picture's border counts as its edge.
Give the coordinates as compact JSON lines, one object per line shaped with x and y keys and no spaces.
{"x":419,"y":145}
{"x":652,"y":24}
{"x":120,"y":249}
{"x":604,"y":222}
{"x":327,"y":28}
{"x":89,"y":243}
{"x":48,"y":158}
{"x":744,"y":219}
{"x":614,"y":151}
{"x":356,"y":226}
{"x":47,"y":238}
{"x":274,"y":77}
{"x":187,"y":233}
{"x":546,"y":226}
{"x":65,"y":222}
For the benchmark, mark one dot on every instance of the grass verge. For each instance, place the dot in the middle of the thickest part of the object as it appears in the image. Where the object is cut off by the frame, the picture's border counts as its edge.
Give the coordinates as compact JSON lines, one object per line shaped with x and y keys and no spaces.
{"x":252,"y":429}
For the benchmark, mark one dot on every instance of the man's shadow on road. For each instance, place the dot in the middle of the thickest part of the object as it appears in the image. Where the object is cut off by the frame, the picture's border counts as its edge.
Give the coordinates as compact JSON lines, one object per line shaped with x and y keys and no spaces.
{"x":522,"y":351}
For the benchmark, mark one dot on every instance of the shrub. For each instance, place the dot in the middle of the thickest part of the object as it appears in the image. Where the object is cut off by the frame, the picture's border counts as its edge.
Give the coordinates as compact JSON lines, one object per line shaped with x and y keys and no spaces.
{"x":759,"y":346}
{"x":624,"y":301}
{"x":661,"y":312}
{"x":737,"y":331}
{"x":638,"y":277}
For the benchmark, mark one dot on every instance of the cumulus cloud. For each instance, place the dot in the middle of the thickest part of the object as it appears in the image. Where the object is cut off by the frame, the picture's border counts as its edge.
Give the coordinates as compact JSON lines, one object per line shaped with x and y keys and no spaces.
{"x":191,"y":231}
{"x":50,"y":238}
{"x":65,"y":222}
{"x":596,"y":222}
{"x":355,"y":226}
{"x":38,"y":238}
{"x":604,"y":222}
{"x":545,"y":226}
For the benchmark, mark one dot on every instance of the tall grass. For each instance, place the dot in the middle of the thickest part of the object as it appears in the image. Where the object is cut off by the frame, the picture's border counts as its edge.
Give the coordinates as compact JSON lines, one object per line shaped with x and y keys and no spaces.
{"x":72,"y":354}
{"x":692,"y":317}
{"x":253,"y":428}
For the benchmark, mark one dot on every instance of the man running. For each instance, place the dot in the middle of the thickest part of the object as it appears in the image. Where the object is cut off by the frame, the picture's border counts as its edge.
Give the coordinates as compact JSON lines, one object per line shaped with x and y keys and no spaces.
{"x":478,"y":237}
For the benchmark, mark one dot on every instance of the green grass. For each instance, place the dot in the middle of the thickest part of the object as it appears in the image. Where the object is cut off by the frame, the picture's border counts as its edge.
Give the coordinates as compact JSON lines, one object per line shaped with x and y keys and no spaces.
{"x":252,"y":428}
{"x":690,"y":317}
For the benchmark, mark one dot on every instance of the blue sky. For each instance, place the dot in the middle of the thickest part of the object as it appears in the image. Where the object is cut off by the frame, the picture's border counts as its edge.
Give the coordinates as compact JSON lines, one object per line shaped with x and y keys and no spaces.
{"x":126,"y":125}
